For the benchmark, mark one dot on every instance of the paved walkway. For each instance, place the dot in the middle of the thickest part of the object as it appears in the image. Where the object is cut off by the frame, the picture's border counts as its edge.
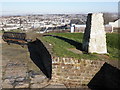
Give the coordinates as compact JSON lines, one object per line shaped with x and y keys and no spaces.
{"x":0,"y":61}
{"x":16,"y":75}
{"x":15,"y":71}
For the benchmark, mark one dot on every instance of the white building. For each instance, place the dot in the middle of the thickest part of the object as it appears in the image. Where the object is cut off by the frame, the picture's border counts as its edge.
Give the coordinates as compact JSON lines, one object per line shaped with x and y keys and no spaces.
{"x":77,"y":28}
{"x":115,"y":24}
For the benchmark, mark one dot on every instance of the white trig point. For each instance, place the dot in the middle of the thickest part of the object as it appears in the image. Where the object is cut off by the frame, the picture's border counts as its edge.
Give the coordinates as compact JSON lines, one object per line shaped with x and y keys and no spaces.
{"x":94,"y":40}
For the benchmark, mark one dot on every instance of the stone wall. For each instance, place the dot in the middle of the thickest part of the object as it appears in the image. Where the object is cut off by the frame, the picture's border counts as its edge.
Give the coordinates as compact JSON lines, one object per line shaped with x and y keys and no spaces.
{"x":0,"y":60}
{"x":74,"y":73}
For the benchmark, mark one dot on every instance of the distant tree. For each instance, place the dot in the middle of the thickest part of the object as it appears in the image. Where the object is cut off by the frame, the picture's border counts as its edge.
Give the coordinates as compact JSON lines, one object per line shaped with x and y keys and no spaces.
{"x":109,"y":17}
{"x":76,"y":21}
{"x":2,"y":30}
{"x":20,"y":21}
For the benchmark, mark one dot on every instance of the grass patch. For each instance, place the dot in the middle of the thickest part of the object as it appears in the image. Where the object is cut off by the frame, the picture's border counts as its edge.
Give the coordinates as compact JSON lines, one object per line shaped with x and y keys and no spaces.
{"x":113,"y":45}
{"x":60,"y":47}
{"x":73,"y":36}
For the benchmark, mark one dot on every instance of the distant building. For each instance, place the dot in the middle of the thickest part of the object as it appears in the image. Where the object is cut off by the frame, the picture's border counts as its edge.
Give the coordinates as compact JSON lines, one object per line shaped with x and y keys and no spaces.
{"x":72,"y":28}
{"x":77,"y":28}
{"x":81,"y":28}
{"x":115,"y":24}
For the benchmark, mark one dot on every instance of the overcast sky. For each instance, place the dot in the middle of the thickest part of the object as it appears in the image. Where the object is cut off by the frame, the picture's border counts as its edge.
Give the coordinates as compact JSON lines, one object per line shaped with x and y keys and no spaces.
{"x":15,"y":8}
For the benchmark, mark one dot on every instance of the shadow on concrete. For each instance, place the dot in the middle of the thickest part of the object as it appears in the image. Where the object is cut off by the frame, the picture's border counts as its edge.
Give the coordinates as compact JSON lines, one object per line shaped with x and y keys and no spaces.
{"x":41,"y":57}
{"x":108,"y":77}
{"x":72,"y":42}
{"x":15,"y":42}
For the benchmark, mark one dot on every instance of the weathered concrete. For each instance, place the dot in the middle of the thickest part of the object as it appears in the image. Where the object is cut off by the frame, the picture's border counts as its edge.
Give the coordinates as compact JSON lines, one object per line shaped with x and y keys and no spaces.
{"x":37,"y":79}
{"x":94,"y":40}
{"x":0,"y":61}
{"x":7,"y":84}
{"x":56,"y":86}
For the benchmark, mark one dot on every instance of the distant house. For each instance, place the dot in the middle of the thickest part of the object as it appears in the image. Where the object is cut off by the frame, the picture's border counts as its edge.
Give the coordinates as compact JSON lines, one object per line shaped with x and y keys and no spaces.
{"x":77,"y":28}
{"x":115,"y":24}
{"x":81,"y":28}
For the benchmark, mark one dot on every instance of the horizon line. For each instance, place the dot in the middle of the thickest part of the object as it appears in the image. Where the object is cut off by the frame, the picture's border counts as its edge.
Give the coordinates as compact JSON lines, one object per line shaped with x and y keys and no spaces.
{"x":25,"y":14}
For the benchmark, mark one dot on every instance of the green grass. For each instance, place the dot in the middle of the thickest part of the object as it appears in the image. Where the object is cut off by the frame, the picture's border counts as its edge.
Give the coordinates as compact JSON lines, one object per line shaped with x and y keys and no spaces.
{"x":74,"y":36}
{"x":60,"y":47}
{"x":113,"y":45}
{"x":113,"y":40}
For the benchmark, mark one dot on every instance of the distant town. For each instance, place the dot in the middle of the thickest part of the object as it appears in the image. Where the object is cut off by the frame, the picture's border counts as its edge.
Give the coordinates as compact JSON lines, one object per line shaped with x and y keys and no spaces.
{"x":52,"y":22}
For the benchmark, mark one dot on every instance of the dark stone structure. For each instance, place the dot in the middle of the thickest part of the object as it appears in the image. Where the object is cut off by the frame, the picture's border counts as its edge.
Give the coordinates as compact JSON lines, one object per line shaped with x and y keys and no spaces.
{"x":107,"y":78}
{"x":41,"y":57}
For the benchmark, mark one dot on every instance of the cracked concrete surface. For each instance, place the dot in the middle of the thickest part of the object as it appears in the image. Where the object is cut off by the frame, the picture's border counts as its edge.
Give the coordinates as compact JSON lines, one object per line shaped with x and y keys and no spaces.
{"x":18,"y":71}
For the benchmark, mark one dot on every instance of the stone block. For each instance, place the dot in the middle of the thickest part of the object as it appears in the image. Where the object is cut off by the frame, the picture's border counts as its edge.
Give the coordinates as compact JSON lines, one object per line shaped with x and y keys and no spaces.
{"x":37,"y":79}
{"x":56,"y":86}
{"x":94,"y":40}
{"x":108,"y":77}
{"x":22,"y":85}
{"x":7,"y":84}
